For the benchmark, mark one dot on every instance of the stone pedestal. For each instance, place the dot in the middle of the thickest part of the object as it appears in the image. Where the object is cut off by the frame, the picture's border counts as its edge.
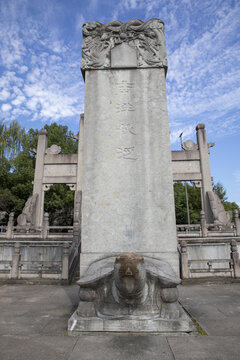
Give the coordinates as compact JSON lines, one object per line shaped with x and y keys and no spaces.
{"x":78,"y":324}
{"x":129,"y":293}
{"x":127,"y":184}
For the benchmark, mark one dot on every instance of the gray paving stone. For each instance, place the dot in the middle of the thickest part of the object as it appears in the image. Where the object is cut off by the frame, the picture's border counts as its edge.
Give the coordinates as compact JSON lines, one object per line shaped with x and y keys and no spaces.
{"x":36,"y":309}
{"x":216,"y":307}
{"x":37,"y":348}
{"x":33,"y":322}
{"x":205,"y":347}
{"x":122,"y":347}
{"x":230,"y":326}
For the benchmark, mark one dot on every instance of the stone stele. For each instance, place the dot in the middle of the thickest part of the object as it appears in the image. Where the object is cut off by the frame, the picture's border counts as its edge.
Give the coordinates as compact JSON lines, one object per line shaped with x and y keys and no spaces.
{"x":127,"y":184}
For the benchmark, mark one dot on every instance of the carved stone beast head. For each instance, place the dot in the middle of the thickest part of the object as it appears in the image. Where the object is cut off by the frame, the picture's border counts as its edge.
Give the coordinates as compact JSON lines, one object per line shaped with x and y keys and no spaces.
{"x":129,"y":275}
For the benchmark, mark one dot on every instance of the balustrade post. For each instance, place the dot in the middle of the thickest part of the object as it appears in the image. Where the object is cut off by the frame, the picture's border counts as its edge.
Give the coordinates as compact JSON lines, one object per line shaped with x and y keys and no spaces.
{"x":236,"y":222}
{"x":65,"y":260}
{"x":203,"y":224}
{"x":75,"y":232}
{"x":15,"y":261}
{"x":184,"y":260}
{"x":9,"y":233}
{"x":235,"y":258}
{"x":45,"y":225}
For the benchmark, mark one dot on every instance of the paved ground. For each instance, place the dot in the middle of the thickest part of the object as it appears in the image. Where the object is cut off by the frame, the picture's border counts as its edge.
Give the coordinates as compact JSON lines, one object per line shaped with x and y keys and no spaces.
{"x":33,"y":321}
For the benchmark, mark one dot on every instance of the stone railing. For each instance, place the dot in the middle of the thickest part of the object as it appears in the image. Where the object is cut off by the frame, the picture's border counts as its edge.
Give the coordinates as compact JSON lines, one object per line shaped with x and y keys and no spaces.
{"x":204,"y":250}
{"x":12,"y":232}
{"x":209,"y":230}
{"x":31,"y":264}
{"x":36,"y":259}
{"x":209,"y":250}
{"x":209,"y":257}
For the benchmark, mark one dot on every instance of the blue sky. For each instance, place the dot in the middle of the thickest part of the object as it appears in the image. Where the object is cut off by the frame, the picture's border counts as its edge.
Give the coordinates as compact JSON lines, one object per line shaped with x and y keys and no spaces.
{"x":41,"y":82}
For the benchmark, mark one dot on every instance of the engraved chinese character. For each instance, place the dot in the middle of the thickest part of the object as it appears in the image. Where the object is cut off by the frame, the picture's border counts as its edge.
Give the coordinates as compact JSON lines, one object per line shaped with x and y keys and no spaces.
{"x":125,"y":106}
{"x":124,"y":86}
{"x":127,"y":128}
{"x":127,"y":153}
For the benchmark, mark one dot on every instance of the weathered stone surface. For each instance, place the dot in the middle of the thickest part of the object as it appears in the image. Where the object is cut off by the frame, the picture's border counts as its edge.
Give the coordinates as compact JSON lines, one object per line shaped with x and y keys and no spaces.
{"x":122,"y":347}
{"x":27,"y":218}
{"x":127,"y":203}
{"x":54,"y":149}
{"x":132,"y":44}
{"x":33,"y":321}
{"x":189,"y":145}
{"x":105,"y":267}
{"x":220,"y":216}
{"x":127,"y":190}
{"x":80,"y":324}
{"x":129,"y":295}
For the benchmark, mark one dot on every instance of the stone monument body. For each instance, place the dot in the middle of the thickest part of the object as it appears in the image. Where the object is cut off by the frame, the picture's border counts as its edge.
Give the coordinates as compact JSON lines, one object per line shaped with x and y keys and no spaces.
{"x":127,"y":203}
{"x":129,"y":263}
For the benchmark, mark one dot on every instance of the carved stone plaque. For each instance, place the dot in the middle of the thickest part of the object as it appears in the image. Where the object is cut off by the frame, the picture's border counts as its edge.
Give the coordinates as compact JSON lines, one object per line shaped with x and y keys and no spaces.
{"x":140,"y":45}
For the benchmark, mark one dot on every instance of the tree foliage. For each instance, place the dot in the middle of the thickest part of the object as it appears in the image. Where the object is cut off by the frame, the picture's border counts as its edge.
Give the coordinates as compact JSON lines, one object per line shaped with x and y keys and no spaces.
{"x":194,"y":202}
{"x":11,"y":138}
{"x":17,"y":162}
{"x":219,"y":189}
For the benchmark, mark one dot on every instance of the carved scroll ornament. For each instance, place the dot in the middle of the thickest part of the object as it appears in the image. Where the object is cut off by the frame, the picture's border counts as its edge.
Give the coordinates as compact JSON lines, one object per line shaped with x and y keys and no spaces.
{"x":147,"y":38}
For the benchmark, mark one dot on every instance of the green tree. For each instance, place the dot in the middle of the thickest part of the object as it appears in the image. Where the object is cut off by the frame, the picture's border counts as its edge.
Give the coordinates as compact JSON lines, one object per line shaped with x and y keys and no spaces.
{"x":219,"y":189}
{"x":194,"y":202}
{"x":17,"y":162}
{"x":59,"y":203}
{"x":10,"y":139}
{"x":180,"y":203}
{"x":61,"y":136}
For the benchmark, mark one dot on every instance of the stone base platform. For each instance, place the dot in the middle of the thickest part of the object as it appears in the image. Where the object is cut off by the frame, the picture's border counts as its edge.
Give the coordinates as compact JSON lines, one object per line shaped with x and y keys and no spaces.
{"x":78,"y":324}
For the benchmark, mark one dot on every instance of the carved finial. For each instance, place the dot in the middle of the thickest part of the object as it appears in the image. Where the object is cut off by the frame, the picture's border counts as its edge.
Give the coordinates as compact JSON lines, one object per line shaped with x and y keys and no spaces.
{"x":42,"y":132}
{"x":54,"y":150}
{"x":189,"y":145}
{"x":143,"y":44}
{"x":200,"y":126}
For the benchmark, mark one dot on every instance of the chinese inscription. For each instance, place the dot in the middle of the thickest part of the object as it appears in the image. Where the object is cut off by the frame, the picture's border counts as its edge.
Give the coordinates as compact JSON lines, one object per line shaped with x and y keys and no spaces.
{"x":127,"y":128}
{"x":125,"y":106}
{"x":124,"y":86}
{"x":127,"y":153}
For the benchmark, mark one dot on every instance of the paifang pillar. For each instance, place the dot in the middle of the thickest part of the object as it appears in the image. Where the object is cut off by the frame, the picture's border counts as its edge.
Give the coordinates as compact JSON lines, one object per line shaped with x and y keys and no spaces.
{"x":128,"y":201}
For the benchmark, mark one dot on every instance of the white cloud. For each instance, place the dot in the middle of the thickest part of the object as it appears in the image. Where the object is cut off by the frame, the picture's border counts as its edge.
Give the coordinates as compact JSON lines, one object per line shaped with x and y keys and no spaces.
{"x":204,"y":74}
{"x":22,"y":69}
{"x":4,"y":94}
{"x":18,"y":100}
{"x":188,"y":131}
{"x":6,"y":107}
{"x":41,"y":75}
{"x":79,"y":22}
{"x":127,"y":5}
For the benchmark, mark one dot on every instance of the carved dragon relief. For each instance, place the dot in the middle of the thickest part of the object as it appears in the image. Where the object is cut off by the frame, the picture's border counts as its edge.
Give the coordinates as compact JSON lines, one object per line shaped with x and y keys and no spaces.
{"x":147,"y":38}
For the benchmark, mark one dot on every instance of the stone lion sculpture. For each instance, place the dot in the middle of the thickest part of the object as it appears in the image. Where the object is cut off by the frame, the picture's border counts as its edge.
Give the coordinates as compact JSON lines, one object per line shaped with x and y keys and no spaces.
{"x":26,"y":219}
